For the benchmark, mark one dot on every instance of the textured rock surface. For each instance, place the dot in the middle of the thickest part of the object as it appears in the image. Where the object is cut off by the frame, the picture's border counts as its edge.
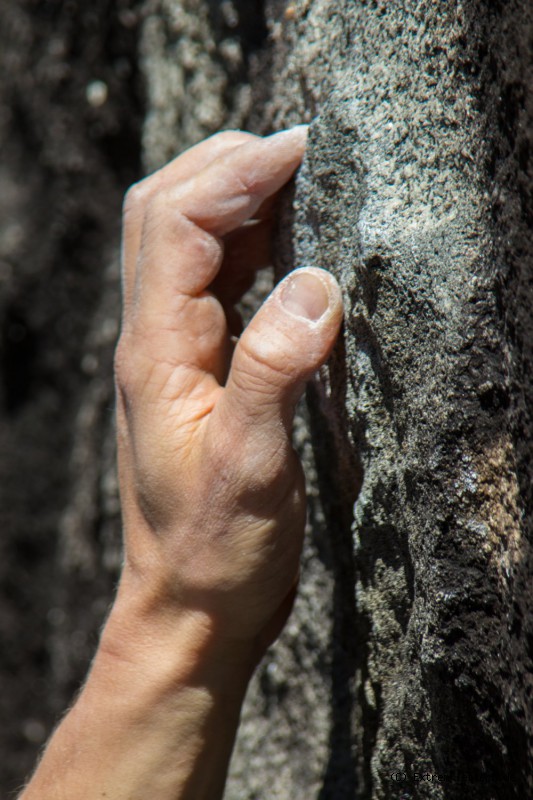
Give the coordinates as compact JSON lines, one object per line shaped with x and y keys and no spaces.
{"x":409,"y":650}
{"x":416,"y":194}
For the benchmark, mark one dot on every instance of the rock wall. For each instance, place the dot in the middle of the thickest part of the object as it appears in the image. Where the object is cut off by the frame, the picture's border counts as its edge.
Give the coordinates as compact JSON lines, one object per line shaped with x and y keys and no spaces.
{"x":416,"y":193}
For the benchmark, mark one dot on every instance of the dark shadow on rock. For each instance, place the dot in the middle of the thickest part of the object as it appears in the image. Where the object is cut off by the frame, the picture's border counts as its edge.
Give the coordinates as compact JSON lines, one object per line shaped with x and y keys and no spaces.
{"x":339,"y":480}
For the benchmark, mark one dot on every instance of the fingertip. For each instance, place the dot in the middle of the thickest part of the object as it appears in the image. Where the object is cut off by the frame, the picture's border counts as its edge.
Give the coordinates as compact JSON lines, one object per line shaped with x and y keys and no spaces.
{"x":298,"y":133}
{"x":292,"y":140}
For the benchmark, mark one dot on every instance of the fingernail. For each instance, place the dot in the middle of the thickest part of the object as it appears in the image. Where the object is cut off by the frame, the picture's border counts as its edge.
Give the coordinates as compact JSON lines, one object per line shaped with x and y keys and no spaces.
{"x":305,"y":296}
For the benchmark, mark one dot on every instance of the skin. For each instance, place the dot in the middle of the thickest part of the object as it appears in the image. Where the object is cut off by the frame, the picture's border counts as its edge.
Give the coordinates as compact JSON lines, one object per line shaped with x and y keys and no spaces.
{"x":212,"y":491}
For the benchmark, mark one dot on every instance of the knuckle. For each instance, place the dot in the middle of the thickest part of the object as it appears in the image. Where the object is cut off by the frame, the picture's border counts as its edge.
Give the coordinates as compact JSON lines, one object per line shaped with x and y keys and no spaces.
{"x":163,"y":208}
{"x":159,"y":203}
{"x":263,"y":362}
{"x":162,"y":216}
{"x":249,"y":381}
{"x":164,"y":212}
{"x":246,"y":184}
{"x":136,"y":197}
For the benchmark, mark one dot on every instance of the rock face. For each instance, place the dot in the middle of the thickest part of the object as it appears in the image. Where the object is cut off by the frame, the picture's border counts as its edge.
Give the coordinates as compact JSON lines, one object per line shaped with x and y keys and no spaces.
{"x":406,"y":669}
{"x":415,"y":194}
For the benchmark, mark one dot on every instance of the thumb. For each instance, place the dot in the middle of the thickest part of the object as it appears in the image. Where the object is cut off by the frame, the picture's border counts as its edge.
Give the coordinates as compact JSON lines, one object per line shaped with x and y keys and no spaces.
{"x":290,"y":336}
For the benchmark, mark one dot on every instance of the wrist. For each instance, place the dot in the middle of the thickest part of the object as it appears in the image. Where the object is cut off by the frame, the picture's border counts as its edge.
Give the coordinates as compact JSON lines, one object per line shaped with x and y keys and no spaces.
{"x":158,"y":714}
{"x":160,"y":641}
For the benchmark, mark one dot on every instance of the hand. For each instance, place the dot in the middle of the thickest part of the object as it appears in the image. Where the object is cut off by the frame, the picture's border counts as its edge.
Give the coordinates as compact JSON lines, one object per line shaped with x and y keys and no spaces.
{"x":213,"y":493}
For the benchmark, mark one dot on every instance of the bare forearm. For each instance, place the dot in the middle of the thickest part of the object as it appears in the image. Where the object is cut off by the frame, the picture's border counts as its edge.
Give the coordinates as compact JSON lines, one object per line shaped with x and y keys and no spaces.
{"x":157,"y":716}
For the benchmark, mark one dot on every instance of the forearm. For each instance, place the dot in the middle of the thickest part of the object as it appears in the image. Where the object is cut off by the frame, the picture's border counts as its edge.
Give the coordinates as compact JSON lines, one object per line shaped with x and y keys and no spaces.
{"x":157,"y":716}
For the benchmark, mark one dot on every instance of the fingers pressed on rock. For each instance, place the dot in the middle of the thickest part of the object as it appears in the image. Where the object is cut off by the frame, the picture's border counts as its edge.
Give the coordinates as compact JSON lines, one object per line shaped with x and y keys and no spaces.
{"x":232,"y":188}
{"x":139,"y":195}
{"x":181,"y":251}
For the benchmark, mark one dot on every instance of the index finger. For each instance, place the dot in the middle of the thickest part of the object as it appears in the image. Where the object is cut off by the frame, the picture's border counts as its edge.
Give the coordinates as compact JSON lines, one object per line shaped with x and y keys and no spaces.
{"x":233,"y":187}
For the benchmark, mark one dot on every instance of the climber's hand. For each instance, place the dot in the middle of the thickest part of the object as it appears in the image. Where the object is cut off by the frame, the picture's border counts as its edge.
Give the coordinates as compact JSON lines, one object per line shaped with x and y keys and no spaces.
{"x":212,"y":490}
